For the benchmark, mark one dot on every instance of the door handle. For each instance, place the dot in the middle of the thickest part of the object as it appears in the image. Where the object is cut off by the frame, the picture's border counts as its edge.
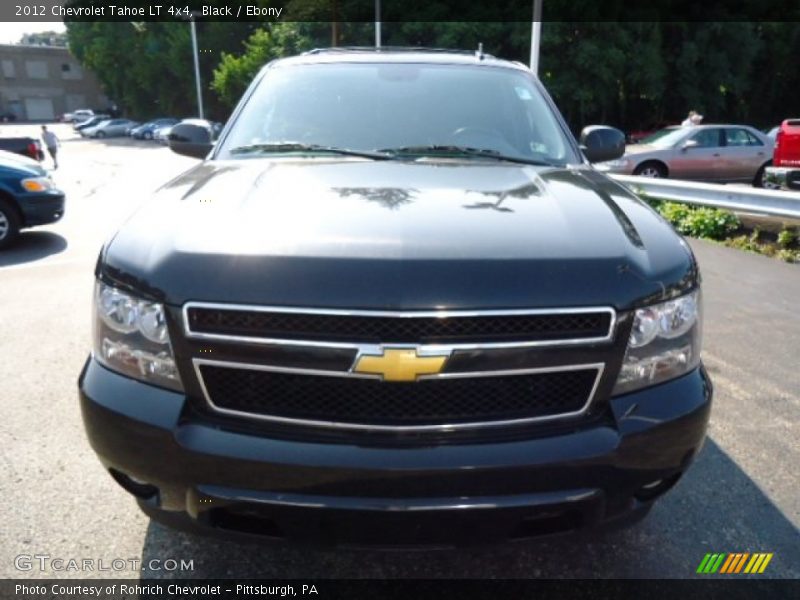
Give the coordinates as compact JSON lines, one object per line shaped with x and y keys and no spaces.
{"x":716,"y":154}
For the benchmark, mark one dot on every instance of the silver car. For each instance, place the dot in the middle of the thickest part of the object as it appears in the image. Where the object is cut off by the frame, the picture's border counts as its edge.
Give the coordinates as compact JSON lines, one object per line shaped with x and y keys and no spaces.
{"x":110,"y":128}
{"x":719,"y":153}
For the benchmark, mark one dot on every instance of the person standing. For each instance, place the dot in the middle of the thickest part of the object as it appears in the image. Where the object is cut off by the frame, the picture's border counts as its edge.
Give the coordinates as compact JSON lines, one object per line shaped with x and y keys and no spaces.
{"x":693,"y":119}
{"x":51,"y":142}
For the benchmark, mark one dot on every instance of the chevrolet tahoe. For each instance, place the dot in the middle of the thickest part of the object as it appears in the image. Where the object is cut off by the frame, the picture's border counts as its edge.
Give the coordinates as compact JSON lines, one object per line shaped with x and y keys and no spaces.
{"x":395,"y":304}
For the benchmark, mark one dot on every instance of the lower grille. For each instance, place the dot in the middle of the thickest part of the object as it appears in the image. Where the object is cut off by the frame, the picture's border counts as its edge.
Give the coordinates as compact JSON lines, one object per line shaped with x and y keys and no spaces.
{"x":370,"y":402}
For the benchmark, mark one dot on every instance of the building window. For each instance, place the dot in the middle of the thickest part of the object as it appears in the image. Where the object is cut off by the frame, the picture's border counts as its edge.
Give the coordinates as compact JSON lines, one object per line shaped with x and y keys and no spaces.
{"x":71,"y":71}
{"x":8,"y":69}
{"x":37,"y":69}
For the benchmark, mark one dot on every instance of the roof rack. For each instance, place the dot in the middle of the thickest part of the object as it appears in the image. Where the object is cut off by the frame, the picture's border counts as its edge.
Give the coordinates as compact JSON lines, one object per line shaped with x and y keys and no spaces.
{"x":343,"y":49}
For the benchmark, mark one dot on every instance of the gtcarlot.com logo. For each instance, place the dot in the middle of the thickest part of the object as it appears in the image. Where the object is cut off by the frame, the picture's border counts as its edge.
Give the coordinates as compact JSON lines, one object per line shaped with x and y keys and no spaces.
{"x":734,"y":563}
{"x":45,"y":562}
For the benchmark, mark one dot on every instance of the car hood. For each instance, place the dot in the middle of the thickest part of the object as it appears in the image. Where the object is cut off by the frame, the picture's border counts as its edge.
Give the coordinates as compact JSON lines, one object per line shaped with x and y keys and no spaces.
{"x":10,"y":160}
{"x":397,"y":235}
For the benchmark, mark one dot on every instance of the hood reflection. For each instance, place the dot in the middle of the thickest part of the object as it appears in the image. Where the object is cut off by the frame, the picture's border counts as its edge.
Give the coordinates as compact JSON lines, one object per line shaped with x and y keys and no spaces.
{"x":391,"y":198}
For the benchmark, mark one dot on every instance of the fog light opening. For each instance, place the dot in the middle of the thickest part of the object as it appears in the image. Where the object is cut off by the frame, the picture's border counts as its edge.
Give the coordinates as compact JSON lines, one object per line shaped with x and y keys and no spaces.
{"x":548,"y":523}
{"x":244,"y":521}
{"x":140,"y":489}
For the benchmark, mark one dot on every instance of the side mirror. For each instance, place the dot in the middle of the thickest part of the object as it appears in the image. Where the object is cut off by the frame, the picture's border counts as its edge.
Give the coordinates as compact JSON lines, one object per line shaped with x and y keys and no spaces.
{"x":688,"y":144}
{"x":190,"y":139}
{"x":600,"y":143}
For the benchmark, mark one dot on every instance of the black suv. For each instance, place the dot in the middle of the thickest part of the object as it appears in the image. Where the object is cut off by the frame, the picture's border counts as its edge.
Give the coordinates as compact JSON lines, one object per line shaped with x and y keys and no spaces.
{"x":395,"y":304}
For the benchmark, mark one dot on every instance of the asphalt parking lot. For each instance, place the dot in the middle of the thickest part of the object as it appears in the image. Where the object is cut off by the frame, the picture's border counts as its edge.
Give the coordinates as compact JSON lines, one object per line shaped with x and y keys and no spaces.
{"x":740,"y":496}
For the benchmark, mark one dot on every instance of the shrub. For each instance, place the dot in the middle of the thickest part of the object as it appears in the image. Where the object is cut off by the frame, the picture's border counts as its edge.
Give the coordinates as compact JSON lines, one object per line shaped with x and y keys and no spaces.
{"x":699,"y":222}
{"x":787,"y":237}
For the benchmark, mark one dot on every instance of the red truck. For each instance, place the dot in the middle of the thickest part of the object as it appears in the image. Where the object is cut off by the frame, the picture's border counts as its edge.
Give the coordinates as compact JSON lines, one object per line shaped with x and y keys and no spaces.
{"x":785,"y":169}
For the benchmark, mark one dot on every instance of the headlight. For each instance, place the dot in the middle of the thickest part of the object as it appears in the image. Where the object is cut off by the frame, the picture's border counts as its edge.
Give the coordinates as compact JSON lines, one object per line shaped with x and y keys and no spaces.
{"x":131,"y":337}
{"x":37,"y":184}
{"x":664,"y":343}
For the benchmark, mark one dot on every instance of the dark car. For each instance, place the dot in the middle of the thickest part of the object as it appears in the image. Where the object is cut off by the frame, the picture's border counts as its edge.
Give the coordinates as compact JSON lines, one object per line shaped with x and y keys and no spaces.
{"x":24,"y":146}
{"x":7,"y":117}
{"x":146,"y":130}
{"x":395,"y":304}
{"x":28,"y":197}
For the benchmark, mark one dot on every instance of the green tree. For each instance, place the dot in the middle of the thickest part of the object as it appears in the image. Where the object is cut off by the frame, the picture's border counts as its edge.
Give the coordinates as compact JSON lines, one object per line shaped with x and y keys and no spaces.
{"x":146,"y":68}
{"x":234,"y":73}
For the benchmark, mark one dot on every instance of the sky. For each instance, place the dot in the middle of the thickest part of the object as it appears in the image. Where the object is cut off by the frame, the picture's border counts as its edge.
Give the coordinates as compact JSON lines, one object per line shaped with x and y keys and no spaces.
{"x":10,"y":33}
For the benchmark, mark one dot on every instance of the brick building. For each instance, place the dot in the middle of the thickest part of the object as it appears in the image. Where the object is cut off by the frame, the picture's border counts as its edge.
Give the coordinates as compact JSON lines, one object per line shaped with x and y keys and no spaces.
{"x":40,"y":83}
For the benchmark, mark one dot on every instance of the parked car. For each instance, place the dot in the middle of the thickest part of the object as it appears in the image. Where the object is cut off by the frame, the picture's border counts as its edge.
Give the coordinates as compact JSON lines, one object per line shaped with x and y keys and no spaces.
{"x":90,"y":122}
{"x":160,"y":134}
{"x":784,"y":173}
{"x":773,"y":133}
{"x":28,"y":197}
{"x":146,"y":130}
{"x":7,"y":117}
{"x":326,"y":329}
{"x":24,"y":146}
{"x":716,"y":153}
{"x":108,"y":128}
{"x":79,"y":115}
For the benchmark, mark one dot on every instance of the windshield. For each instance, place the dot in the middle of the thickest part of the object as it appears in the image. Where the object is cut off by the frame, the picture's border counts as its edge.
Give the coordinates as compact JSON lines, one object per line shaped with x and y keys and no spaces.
{"x":416,"y":109}
{"x":666,"y":137}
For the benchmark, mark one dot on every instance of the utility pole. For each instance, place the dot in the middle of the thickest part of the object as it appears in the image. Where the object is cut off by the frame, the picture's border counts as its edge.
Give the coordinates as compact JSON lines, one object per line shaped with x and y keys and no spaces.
{"x":536,"y":34}
{"x":377,"y":23}
{"x":196,"y":68}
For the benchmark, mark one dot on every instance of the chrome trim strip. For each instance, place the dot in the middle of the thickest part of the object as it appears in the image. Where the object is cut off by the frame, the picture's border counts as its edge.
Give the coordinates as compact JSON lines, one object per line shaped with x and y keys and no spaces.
{"x":376,"y":348}
{"x":198,"y":362}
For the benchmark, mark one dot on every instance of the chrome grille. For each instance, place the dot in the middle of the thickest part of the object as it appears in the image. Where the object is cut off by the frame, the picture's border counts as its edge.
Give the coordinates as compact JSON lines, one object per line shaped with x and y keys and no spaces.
{"x":454,"y":398}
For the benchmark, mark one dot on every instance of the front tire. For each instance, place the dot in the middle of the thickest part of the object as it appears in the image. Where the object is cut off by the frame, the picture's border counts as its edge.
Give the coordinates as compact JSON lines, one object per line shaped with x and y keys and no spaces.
{"x":9,"y":224}
{"x":100,"y":135}
{"x":651,"y":169}
{"x":148,"y":135}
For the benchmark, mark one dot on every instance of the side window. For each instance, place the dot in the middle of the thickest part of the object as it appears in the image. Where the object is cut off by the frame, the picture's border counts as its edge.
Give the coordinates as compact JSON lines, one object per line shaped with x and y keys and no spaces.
{"x":740,"y":137}
{"x":707,"y":138}
{"x":753,"y":140}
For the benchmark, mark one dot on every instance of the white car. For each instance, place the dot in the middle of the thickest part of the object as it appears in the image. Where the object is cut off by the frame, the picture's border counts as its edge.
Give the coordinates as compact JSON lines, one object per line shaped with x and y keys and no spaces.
{"x":81,"y":114}
{"x":161,"y":134}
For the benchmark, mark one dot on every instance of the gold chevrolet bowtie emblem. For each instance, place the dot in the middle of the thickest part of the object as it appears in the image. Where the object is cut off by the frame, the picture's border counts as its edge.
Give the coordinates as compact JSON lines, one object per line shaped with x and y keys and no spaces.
{"x":399,"y":364}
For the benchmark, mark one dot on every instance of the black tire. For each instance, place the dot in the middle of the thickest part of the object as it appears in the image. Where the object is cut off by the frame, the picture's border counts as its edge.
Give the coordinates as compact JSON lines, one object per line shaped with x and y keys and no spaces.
{"x":9,"y":224}
{"x":651,"y":169}
{"x":758,"y":180}
{"x":148,"y":135}
{"x":100,"y":135}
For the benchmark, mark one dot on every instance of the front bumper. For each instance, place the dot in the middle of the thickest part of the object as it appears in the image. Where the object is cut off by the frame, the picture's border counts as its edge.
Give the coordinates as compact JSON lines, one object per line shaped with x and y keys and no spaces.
{"x":193,"y":474}
{"x":785,"y":178}
{"x":41,"y":209}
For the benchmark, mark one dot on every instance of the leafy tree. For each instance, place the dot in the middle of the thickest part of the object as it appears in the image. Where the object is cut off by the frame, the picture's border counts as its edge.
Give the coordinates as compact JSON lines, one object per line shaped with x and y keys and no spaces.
{"x":234,"y":73}
{"x":147,"y":69}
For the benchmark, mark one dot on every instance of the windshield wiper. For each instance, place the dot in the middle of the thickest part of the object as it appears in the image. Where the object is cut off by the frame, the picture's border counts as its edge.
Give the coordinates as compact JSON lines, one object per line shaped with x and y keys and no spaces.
{"x":276,"y":147}
{"x":442,"y":149}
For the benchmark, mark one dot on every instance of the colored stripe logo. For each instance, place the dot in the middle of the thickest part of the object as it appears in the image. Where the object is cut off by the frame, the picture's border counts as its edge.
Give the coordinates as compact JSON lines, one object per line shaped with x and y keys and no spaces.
{"x":735,"y":562}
